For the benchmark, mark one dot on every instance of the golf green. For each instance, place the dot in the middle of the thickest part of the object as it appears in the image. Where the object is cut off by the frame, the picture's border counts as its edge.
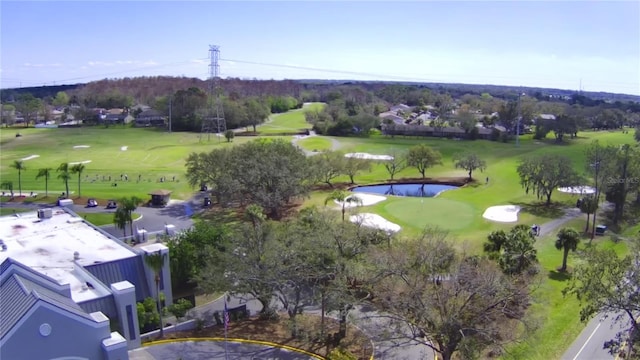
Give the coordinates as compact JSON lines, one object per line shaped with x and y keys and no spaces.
{"x":422,"y":212}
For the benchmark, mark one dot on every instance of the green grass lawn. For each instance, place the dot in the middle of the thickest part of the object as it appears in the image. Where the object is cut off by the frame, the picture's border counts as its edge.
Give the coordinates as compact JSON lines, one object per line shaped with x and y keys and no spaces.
{"x":99,"y":219}
{"x":315,"y":143}
{"x":290,"y":122}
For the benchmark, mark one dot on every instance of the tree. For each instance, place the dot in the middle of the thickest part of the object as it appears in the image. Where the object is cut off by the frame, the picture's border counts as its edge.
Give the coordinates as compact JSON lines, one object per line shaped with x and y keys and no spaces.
{"x":46,"y":174}
{"x":452,"y":304}
{"x":344,"y":198}
{"x":600,"y":161}
{"x":64,"y":175}
{"x":156,"y":262}
{"x":627,"y":172}
{"x":514,"y":250}
{"x":229,"y":135}
{"x":7,"y":185}
{"x":588,"y":206}
{"x":567,"y":240}
{"x":354,"y":165}
{"x":61,"y":99}
{"x":129,"y":205}
{"x":29,"y":106}
{"x":636,"y":134}
{"x":395,"y":164}
{"x":328,"y":165}
{"x":469,"y":162}
{"x":257,"y":112}
{"x":120,"y":220}
{"x":423,"y":157}
{"x":605,"y":283}
{"x":545,"y":173}
{"x":19,"y":165}
{"x":78,"y":169}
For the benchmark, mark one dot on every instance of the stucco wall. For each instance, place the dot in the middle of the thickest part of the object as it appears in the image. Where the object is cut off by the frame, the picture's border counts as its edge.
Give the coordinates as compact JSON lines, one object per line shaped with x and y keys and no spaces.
{"x":68,"y":338}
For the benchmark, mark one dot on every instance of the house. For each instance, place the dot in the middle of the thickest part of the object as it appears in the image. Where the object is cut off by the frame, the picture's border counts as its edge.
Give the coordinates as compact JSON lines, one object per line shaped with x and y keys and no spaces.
{"x":150,"y":117}
{"x":93,"y":273}
{"x":400,"y":107}
{"x":391,"y":116}
{"x":40,"y":320}
{"x":545,"y":117}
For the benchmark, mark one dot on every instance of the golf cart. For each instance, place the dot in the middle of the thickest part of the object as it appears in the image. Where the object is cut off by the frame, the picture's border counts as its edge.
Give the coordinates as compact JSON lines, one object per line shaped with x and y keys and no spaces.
{"x":92,"y":203}
{"x":207,"y":201}
{"x":112,"y":204}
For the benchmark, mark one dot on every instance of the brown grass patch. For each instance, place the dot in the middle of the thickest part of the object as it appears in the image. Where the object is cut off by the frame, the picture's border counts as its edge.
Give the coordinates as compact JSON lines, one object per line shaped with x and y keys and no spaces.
{"x":279,"y":331}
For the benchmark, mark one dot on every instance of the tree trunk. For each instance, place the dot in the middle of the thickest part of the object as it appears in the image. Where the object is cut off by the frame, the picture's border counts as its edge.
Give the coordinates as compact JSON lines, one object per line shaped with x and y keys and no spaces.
{"x":470,"y":174}
{"x":322,"y":311}
{"x":159,"y":305}
{"x":586,"y":229}
{"x":564,"y":259}
{"x":548,"y":198}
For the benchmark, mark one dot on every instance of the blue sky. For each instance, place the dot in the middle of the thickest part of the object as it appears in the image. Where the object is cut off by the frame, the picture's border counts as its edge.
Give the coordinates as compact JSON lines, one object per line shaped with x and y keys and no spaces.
{"x":528,"y":43}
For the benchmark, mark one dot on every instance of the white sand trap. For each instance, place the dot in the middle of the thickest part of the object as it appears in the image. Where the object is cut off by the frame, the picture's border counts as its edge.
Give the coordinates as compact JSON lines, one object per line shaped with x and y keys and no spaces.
{"x":502,"y":213}
{"x":124,"y":148}
{"x":80,"y":162}
{"x":81,"y":146}
{"x":577,"y":190}
{"x":366,"y":199}
{"x":369,"y":156}
{"x":374,"y":221}
{"x":30,"y":157}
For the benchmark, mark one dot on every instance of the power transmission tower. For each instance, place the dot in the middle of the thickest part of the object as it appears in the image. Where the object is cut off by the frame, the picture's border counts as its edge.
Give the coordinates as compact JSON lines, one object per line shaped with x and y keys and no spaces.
{"x":214,"y":121}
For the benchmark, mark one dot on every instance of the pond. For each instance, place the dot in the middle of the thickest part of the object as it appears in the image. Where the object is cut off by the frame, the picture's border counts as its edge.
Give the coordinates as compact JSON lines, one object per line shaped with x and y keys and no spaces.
{"x":415,"y":190}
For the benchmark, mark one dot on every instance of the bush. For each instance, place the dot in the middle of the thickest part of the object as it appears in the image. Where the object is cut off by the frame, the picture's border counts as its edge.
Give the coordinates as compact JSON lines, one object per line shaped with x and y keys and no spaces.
{"x":341,"y":354}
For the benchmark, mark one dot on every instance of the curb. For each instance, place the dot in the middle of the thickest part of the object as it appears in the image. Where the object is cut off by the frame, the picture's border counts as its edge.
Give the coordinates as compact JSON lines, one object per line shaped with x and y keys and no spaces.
{"x":217,"y":339}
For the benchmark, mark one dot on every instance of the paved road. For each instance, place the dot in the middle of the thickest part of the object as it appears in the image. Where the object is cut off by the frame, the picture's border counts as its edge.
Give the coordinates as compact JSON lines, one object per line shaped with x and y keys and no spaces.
{"x":589,"y":344}
{"x":210,"y":350}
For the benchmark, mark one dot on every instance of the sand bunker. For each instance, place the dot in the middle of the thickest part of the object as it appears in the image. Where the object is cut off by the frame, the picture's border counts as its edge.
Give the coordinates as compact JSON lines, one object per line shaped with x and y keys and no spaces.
{"x":80,"y":162}
{"x":30,"y":157}
{"x":502,"y":213}
{"x":81,"y":146}
{"x":366,"y":200}
{"x":124,"y":148}
{"x":374,"y":221}
{"x":577,"y":190}
{"x":369,"y":156}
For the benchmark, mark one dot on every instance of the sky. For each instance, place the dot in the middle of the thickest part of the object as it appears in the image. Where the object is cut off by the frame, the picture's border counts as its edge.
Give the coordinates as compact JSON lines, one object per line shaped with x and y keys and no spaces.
{"x":588,"y":45}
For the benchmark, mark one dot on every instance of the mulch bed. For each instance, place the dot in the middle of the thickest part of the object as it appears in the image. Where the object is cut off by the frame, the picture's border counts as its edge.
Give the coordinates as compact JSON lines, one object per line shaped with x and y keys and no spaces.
{"x":278,"y":331}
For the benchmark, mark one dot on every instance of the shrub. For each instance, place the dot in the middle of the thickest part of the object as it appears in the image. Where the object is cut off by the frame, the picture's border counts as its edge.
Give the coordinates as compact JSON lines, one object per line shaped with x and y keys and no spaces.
{"x":341,"y":354}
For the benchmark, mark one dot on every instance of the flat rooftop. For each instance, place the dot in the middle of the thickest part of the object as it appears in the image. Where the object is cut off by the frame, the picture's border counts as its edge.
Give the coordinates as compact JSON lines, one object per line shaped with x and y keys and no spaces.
{"x":48,"y":246}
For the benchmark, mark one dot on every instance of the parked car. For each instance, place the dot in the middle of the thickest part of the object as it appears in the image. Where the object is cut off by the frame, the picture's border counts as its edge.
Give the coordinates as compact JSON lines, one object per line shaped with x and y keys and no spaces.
{"x":92,"y":202}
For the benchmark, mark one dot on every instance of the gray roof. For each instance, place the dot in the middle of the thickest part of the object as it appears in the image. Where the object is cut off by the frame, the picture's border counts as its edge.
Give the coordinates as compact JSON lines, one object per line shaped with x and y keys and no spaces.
{"x":20,"y":291}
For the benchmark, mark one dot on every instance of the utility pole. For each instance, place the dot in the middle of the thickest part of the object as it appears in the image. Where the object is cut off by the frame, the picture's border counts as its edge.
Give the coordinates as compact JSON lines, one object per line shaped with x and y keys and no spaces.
{"x":170,"y":101}
{"x":518,"y":121}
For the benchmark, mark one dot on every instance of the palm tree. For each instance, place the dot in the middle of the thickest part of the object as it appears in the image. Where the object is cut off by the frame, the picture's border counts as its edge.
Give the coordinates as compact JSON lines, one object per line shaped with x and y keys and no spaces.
{"x":46,"y":174}
{"x":78,"y":169}
{"x":568,"y":239}
{"x":19,"y":165}
{"x":129,"y":205}
{"x":64,"y":175}
{"x":120,"y":220}
{"x":156,"y":263}
{"x":344,"y":198}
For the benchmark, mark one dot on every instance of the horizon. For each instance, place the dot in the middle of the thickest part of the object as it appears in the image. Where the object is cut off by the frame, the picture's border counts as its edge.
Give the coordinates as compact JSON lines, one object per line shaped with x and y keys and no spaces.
{"x":555,"y":46}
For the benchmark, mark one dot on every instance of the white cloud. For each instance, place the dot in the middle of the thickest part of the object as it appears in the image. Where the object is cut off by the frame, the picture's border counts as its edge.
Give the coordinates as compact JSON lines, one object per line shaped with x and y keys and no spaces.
{"x":30,"y":65}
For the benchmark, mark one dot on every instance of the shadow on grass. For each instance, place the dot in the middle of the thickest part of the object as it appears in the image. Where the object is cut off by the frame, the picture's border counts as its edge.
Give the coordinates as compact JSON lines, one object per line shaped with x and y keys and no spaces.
{"x":541,"y":209}
{"x":559,"y":275}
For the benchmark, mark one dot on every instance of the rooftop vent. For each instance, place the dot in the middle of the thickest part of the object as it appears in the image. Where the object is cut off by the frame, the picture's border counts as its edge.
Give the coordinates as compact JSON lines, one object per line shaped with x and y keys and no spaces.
{"x":76,"y":255}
